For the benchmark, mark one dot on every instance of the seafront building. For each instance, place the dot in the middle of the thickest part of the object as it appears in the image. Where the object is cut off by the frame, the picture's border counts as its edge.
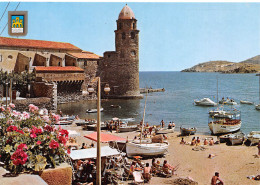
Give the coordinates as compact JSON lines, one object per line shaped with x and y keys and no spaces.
{"x":69,"y":70}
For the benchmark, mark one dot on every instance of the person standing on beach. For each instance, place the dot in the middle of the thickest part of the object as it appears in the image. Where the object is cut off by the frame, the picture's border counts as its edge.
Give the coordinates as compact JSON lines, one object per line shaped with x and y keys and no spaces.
{"x":215,"y":179}
{"x":162,"y":122}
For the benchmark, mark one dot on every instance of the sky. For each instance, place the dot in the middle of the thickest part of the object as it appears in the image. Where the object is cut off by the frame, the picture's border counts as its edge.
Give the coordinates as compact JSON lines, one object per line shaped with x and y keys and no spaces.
{"x":173,"y":36}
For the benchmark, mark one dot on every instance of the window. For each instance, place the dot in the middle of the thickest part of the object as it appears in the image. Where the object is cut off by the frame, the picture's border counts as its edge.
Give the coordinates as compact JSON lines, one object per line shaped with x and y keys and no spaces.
{"x":133,"y":53}
{"x":120,"y":26}
{"x":123,"y":35}
{"x":108,"y":56}
{"x":132,"y":35}
{"x":133,"y":25}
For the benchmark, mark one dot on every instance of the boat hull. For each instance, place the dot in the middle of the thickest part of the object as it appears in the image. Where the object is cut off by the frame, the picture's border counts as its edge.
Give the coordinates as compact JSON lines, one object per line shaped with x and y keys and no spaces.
{"x":128,"y":128}
{"x":148,"y":149}
{"x":120,"y":145}
{"x":185,"y":131}
{"x":165,"y":131}
{"x":254,"y":137}
{"x":246,"y":102}
{"x":216,"y":128}
{"x":236,"y":139}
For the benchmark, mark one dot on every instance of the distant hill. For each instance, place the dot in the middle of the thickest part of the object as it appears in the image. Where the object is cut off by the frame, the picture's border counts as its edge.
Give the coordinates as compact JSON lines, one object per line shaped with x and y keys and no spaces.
{"x":251,"y":65}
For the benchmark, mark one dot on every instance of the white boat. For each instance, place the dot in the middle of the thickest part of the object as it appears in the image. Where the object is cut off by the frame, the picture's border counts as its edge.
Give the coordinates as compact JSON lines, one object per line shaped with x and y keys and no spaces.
{"x":237,"y":138}
{"x":228,"y":102}
{"x":205,"y":102}
{"x":246,"y":102}
{"x":165,"y":130}
{"x":94,"y":110}
{"x":257,"y":107}
{"x":146,"y":149}
{"x":127,"y":128}
{"x":254,"y":137}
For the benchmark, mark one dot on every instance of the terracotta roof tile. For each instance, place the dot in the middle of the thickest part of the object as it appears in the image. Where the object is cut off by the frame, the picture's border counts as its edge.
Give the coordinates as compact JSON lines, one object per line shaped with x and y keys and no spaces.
{"x":57,"y":68}
{"x":87,"y":55}
{"x":28,"y":43}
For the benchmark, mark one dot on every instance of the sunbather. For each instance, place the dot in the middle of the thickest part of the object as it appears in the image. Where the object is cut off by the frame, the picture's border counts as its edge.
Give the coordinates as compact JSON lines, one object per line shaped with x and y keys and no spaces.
{"x":211,"y":142}
{"x":193,"y":141}
{"x":206,"y":142}
{"x":215,"y":180}
{"x":198,"y":141}
{"x":182,"y":141}
{"x":167,"y":168}
{"x":147,"y":172}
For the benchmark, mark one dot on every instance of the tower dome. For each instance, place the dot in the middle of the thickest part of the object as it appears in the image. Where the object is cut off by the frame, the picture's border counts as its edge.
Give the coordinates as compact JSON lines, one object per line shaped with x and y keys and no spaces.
{"x":126,"y":13}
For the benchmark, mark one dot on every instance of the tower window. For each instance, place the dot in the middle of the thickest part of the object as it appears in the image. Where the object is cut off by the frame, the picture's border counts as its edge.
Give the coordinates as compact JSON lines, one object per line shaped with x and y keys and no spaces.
{"x":123,"y":35}
{"x":134,"y":25}
{"x":120,"y":26}
{"x":133,"y":53}
{"x":132,"y":35}
{"x":59,"y":64}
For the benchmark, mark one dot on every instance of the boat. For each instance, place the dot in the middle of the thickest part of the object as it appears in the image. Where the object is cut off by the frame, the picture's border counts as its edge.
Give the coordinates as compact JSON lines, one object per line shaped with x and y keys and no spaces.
{"x":103,"y":126}
{"x":146,"y":149}
{"x":218,"y":113}
{"x":94,"y":110}
{"x":228,"y":102}
{"x":224,"y":138}
{"x":81,"y":122}
{"x":225,"y":125}
{"x":254,"y":137}
{"x":115,"y":106}
{"x":127,"y":128}
{"x":205,"y":102}
{"x":246,"y":102}
{"x":185,"y":131}
{"x":120,"y":145}
{"x":64,"y":122}
{"x":237,"y":138}
{"x":257,"y":107}
{"x":165,"y":130}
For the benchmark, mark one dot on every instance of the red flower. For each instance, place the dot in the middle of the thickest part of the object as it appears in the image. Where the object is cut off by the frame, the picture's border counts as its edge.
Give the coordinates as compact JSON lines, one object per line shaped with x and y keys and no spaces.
{"x":20,"y":131}
{"x":22,"y":146}
{"x":11,"y":128}
{"x":48,"y":128}
{"x":62,"y":140}
{"x":54,"y":144}
{"x":38,"y":142}
{"x":19,"y":157}
{"x":33,"y":135}
{"x":68,"y":151}
{"x":64,"y":133}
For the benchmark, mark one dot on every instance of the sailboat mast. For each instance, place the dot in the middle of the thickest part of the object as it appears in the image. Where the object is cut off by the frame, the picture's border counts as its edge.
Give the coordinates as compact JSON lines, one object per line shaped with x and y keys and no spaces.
{"x":142,"y":128}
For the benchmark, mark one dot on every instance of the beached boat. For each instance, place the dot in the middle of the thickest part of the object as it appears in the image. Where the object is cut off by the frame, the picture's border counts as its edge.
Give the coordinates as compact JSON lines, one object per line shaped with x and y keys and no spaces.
{"x":228,"y":102}
{"x":94,"y":110}
{"x":246,"y":102}
{"x":205,"y":102}
{"x":81,"y":122}
{"x":225,"y":125}
{"x":185,"y":131}
{"x":254,"y":137}
{"x":237,"y":138}
{"x":94,"y":127}
{"x":224,"y":138}
{"x":165,"y":130}
{"x":146,"y":149}
{"x":120,"y":145}
{"x":127,"y":128}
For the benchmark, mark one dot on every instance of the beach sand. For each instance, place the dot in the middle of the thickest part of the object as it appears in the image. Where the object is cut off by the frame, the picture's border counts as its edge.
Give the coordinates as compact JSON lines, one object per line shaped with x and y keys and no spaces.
{"x":234,"y":163}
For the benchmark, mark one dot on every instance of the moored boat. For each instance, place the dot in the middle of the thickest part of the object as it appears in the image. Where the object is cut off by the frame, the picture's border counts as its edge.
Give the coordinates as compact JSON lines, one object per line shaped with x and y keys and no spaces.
{"x":254,"y":137}
{"x":94,"y":110}
{"x":187,"y":130}
{"x":225,"y":125}
{"x":205,"y":102}
{"x":228,"y":102}
{"x":94,"y":127}
{"x":246,"y":102}
{"x":146,"y":149}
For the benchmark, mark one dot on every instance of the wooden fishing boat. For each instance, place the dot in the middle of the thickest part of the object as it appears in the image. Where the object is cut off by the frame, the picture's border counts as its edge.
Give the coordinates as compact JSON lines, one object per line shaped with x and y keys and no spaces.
{"x":165,"y":130}
{"x":225,"y":125}
{"x":254,"y":137}
{"x":127,"y":128}
{"x":120,"y":145}
{"x":246,"y":102}
{"x":146,"y":149}
{"x":185,"y":131}
{"x":224,"y":138}
{"x":237,"y":138}
{"x":94,"y":110}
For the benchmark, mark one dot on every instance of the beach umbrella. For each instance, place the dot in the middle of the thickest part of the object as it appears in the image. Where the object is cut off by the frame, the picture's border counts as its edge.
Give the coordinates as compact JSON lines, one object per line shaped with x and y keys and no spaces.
{"x":104,"y":137}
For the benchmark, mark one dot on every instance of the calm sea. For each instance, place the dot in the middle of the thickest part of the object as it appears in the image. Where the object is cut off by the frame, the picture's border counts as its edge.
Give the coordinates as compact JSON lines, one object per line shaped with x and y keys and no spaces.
{"x":177,"y":102}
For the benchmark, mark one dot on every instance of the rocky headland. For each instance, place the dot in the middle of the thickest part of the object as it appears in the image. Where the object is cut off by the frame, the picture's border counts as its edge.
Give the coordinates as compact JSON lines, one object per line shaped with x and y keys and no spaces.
{"x":251,"y":65}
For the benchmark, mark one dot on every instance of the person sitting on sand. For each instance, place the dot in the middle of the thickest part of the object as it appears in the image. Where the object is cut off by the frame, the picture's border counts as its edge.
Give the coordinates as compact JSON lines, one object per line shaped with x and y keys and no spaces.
{"x":182,"y":141}
{"x":206,"y":142}
{"x":173,"y":124}
{"x":193,"y":141}
{"x":83,"y":146}
{"x":147,"y":172}
{"x":170,"y":125}
{"x":211,"y":142}
{"x":198,"y":141}
{"x":132,"y":168}
{"x":167,"y":168}
{"x":215,"y":179}
{"x":211,"y":156}
{"x":154,"y":166}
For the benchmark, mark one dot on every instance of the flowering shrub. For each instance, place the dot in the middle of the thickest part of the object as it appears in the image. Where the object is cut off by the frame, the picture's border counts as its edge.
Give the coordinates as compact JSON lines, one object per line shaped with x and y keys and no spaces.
{"x":30,"y":142}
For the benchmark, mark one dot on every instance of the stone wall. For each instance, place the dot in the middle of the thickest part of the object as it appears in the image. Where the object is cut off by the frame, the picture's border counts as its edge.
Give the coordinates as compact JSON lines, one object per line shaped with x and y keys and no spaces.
{"x":75,"y":97}
{"x":42,"y":102}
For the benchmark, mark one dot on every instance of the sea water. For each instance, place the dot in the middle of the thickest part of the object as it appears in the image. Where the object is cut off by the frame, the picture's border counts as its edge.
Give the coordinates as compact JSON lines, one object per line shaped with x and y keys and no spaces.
{"x":177,"y":102}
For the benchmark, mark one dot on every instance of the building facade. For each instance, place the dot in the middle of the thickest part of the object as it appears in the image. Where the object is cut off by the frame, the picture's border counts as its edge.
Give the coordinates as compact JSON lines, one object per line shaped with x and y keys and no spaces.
{"x":120,"y":68}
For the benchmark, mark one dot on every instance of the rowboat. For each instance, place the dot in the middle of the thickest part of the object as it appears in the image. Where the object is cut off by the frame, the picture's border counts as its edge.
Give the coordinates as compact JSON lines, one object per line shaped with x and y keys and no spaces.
{"x":146,"y":149}
{"x":237,"y":138}
{"x":127,"y":128}
{"x":165,"y":130}
{"x":187,"y":130}
{"x":254,"y":137}
{"x":225,"y":125}
{"x":94,"y":110}
{"x":205,"y":102}
{"x":246,"y":102}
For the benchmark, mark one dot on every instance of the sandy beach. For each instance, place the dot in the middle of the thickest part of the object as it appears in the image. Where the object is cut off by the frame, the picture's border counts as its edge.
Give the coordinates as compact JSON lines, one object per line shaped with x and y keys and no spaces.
{"x":234,"y":163}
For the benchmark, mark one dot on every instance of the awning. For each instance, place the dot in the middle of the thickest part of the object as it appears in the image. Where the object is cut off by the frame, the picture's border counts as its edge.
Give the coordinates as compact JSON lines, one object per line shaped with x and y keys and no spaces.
{"x":104,"y":137}
{"x":92,"y":153}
